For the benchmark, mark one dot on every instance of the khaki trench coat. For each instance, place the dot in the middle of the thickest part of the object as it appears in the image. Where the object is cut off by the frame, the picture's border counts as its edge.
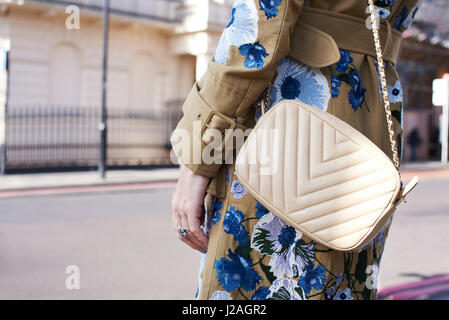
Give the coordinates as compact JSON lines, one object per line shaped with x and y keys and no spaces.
{"x":319,"y":52}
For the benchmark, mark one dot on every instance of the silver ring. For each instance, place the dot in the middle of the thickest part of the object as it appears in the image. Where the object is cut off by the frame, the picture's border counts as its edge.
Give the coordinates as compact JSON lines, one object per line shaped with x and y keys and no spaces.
{"x":183,"y":231}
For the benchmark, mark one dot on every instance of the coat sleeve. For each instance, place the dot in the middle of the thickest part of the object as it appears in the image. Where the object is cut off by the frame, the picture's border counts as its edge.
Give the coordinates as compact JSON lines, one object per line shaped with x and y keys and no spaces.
{"x":255,"y":40}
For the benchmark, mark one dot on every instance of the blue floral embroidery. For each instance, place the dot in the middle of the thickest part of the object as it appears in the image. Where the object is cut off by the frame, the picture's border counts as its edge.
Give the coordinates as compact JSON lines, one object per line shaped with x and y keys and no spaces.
{"x":261,"y":210}
{"x":261,"y":293}
{"x":378,"y":77}
{"x":242,"y":28}
{"x":313,"y":278}
{"x":357,"y":92}
{"x":343,"y":295}
{"x":238,"y":190}
{"x":300,"y":82}
{"x":407,"y":23}
{"x":379,"y":240}
{"x":270,"y":7}
{"x":218,"y":205}
{"x":395,"y":95}
{"x":287,"y":236}
{"x":232,"y":17}
{"x":330,"y":292}
{"x":227,"y":176}
{"x":335,"y":84}
{"x":382,"y":13}
{"x":400,"y":18}
{"x":344,"y":62}
{"x":236,"y":271}
{"x":255,"y":54}
{"x":395,"y":92}
{"x":385,"y":3}
{"x":290,"y":88}
{"x":339,"y":279}
{"x":348,"y":73}
{"x":380,"y":8}
{"x":232,"y":225}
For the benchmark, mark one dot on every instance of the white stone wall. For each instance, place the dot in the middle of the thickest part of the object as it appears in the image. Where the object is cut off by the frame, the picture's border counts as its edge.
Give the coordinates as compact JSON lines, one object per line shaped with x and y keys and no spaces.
{"x":141,"y":74}
{"x":152,"y":66}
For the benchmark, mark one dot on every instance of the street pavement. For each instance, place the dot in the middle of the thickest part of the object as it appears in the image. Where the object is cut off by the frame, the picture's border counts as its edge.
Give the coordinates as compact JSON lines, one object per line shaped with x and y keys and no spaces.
{"x":417,"y":245}
{"x":122,"y":242}
{"x":33,"y":181}
{"x":121,"y":239}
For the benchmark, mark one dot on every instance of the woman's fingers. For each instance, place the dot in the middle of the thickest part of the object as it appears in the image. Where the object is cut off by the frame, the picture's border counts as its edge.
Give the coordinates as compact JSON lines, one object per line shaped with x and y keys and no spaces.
{"x":179,"y":221}
{"x":194,"y":220}
{"x":190,"y":238}
{"x":188,"y":211}
{"x":190,"y":243}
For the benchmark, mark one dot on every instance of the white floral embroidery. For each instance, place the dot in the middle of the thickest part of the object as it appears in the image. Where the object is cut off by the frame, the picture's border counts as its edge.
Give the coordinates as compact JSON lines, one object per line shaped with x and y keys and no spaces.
{"x":380,"y":13}
{"x":200,"y":279}
{"x":284,"y":289}
{"x":242,"y":29}
{"x":221,"y":295}
{"x":288,"y":255}
{"x":395,"y":92}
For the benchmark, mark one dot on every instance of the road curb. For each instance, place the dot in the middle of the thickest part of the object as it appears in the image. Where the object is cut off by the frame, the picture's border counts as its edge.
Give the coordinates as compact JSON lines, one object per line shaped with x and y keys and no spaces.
{"x":14,"y":183}
{"x":87,"y":189}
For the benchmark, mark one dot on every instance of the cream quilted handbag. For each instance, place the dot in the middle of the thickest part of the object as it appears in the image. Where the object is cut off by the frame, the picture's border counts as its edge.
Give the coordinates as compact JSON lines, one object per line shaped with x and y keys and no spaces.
{"x":320,"y":175}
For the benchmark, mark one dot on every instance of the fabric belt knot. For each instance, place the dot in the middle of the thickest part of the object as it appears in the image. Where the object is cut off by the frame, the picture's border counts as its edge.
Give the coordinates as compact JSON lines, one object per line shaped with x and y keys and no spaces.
{"x":319,"y":34}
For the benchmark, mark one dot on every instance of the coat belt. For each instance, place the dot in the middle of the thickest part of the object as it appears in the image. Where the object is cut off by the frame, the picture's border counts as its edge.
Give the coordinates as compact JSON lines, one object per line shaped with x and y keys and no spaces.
{"x":319,"y":34}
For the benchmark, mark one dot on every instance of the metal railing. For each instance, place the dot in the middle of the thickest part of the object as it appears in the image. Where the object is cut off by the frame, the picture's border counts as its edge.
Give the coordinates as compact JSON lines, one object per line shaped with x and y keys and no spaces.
{"x":51,"y":137}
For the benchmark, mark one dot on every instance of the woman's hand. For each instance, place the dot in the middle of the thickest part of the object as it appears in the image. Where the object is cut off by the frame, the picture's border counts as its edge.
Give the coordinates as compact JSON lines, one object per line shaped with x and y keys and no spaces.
{"x":188,"y":208}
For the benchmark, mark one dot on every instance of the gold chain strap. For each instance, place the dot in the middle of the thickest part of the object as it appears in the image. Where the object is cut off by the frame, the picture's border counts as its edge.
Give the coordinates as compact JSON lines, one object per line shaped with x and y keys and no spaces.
{"x":264,"y":103}
{"x":381,"y":66}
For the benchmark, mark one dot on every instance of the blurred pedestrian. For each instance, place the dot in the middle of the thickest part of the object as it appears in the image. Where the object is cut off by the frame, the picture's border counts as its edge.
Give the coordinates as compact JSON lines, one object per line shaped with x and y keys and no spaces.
{"x":414,"y":141}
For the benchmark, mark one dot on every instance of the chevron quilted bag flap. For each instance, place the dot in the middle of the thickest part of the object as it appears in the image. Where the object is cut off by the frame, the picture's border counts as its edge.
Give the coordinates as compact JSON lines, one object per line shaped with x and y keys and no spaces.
{"x":320,"y":175}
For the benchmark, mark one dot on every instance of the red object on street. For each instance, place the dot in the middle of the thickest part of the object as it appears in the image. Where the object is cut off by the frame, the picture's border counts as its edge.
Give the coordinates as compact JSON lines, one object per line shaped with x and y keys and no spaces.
{"x":424,"y":289}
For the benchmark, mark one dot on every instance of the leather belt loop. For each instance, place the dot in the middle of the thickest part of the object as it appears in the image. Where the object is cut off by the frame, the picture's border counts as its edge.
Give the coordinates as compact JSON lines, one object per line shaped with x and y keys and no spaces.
{"x":212,"y":119}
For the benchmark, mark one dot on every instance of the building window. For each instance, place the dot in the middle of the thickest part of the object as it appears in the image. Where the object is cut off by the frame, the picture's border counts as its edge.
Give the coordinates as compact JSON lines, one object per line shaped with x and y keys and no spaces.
{"x":65,"y":76}
{"x":143,"y":83}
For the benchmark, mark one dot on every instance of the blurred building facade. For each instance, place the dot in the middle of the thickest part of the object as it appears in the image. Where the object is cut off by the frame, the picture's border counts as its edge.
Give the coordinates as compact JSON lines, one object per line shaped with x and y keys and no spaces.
{"x":157,"y":49}
{"x":424,"y":57}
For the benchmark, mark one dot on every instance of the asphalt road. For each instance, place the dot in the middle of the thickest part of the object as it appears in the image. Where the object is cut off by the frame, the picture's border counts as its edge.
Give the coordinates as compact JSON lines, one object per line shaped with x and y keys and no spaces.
{"x":418,"y":243}
{"x":124,"y":247}
{"x":122,"y":242}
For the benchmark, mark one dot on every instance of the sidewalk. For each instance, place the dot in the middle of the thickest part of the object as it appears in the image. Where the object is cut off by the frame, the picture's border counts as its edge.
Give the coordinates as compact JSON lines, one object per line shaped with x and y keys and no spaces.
{"x":81,"y":179}
{"x":425,"y":170}
{"x":424,"y":166}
